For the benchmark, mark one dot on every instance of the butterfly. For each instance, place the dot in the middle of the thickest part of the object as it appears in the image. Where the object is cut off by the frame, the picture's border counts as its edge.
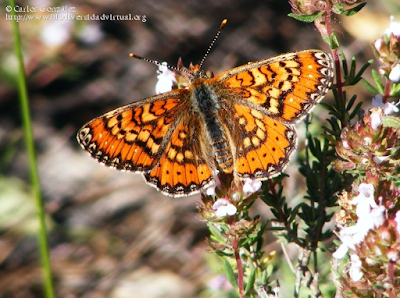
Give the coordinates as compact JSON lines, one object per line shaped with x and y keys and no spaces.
{"x":240,"y":122}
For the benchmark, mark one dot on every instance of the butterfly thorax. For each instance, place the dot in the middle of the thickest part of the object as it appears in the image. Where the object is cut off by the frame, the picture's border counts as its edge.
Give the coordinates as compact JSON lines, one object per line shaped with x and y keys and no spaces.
{"x":206,"y":103}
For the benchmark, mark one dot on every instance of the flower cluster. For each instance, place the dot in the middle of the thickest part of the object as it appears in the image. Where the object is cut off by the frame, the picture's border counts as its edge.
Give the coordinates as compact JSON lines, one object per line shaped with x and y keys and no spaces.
{"x":369,"y":219}
{"x":226,"y":198}
{"x":371,"y":144}
{"x":369,"y":224}
{"x":387,"y":50}
{"x":234,"y":234}
{"x":319,"y":12}
{"x":307,"y":7}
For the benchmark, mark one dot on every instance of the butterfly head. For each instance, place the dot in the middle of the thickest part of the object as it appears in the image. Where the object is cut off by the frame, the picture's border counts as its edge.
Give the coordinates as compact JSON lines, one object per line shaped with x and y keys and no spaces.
{"x":197,"y":73}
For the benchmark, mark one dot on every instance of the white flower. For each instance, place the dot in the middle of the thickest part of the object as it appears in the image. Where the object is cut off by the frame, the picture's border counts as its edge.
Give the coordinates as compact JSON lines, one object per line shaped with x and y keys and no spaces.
{"x":394,"y":28}
{"x":349,"y":237}
{"x":397,"y":220}
{"x":388,"y":108}
{"x":57,"y":32}
{"x":370,"y":261}
{"x":166,"y":79}
{"x":340,"y":252}
{"x":378,"y":43}
{"x":376,"y":120}
{"x":365,"y":161}
{"x":377,"y":101}
{"x":91,"y":33}
{"x":380,"y":159}
{"x":367,"y":141}
{"x":392,"y":255}
{"x":251,"y":186}
{"x":365,"y":199}
{"x":356,"y":264}
{"x":394,"y":75}
{"x":223,"y":208}
{"x":276,"y":291}
{"x":210,"y":191}
{"x":378,"y":216}
{"x":235,"y":196}
{"x":370,"y":216}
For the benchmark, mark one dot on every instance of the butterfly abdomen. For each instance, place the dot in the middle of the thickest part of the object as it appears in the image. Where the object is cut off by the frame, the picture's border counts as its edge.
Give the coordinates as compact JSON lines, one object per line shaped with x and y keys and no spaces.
{"x":206,"y":103}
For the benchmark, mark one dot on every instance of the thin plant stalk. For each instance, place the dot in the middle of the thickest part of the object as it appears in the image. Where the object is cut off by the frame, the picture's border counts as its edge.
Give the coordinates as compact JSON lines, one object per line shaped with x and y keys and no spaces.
{"x":34,"y":176}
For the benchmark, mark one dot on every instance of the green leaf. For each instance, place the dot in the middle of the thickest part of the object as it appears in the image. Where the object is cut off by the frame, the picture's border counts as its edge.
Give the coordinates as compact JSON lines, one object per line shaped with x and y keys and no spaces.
{"x":326,"y":39}
{"x":330,"y":131}
{"x":369,"y":87}
{"x":356,"y":110}
{"x":250,"y":281}
{"x":391,"y":121}
{"x":333,"y":41}
{"x":261,"y":239}
{"x":378,"y":82}
{"x":338,"y":8}
{"x":395,"y":90}
{"x":266,"y":274}
{"x":216,"y":233}
{"x":276,"y":228}
{"x":294,"y":213}
{"x":352,"y":69}
{"x":230,"y":275}
{"x":223,"y":254}
{"x":362,"y":69}
{"x":342,"y":58}
{"x":306,"y":18}
{"x":327,"y":106}
{"x":353,"y":10}
{"x":335,"y":114}
{"x":351,"y":102}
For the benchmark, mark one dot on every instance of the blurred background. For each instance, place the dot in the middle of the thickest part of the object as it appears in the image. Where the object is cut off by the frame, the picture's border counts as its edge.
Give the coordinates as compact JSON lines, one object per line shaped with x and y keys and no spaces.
{"x":110,"y":234}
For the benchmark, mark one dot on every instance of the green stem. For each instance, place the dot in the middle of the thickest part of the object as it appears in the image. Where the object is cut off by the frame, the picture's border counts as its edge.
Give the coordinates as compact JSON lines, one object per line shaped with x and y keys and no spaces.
{"x":24,"y":105}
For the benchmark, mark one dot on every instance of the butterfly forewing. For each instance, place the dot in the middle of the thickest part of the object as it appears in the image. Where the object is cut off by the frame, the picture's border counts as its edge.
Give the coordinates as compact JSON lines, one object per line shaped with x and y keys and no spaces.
{"x":286,"y":87}
{"x":133,"y":137}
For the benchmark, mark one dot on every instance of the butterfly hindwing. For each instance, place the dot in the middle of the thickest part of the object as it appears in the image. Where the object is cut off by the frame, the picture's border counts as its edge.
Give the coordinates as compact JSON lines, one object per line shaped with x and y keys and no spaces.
{"x":261,"y":145}
{"x":184,"y":167}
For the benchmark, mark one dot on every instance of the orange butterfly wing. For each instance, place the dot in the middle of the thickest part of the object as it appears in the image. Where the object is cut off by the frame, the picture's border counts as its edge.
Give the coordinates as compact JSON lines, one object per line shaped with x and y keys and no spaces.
{"x":186,"y":165}
{"x":261,"y":145}
{"x":157,"y":136}
{"x":133,"y":137}
{"x":263,"y":99}
{"x":284,"y":87}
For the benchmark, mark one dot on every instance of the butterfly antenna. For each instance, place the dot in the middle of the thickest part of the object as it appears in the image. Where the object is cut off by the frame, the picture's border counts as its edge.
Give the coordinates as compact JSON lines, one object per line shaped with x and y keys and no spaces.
{"x":223,"y":23}
{"x":157,"y":63}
